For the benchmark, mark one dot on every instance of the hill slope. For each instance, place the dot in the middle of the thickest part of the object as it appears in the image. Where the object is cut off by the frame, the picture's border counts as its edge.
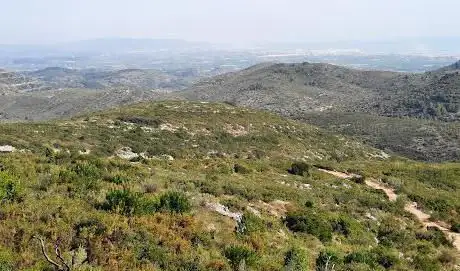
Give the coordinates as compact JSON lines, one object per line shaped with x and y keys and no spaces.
{"x":58,"y":92}
{"x":13,"y":83}
{"x":143,"y":188}
{"x":331,"y":96}
{"x":293,"y":89}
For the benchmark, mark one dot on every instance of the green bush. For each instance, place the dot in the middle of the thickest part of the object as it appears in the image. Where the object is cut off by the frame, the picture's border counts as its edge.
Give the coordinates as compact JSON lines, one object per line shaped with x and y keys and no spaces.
{"x":341,"y":226}
{"x":237,"y":168}
{"x":175,"y":202}
{"x":7,"y":260}
{"x":122,"y":201}
{"x":358,"y":179}
{"x":435,"y":236}
{"x":385,"y":257}
{"x":296,"y":260}
{"x":311,"y":223}
{"x":309,"y":204}
{"x":250,"y":223}
{"x":118,"y":180}
{"x":365,"y":257}
{"x":240,"y":257}
{"x":455,"y":227}
{"x":300,"y":168}
{"x":9,"y":188}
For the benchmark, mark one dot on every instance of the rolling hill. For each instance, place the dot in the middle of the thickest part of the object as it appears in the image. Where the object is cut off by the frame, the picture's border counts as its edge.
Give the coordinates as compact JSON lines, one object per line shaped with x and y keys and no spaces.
{"x":142,"y":187}
{"x":332,"y":96}
{"x":292,"y":89}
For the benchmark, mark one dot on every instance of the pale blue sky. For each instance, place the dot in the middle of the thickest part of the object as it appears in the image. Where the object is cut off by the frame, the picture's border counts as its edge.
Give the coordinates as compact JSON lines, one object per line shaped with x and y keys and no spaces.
{"x":49,"y":21}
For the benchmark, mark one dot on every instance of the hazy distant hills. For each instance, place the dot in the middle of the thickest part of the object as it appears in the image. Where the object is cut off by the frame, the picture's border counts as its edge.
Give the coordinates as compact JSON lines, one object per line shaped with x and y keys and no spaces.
{"x":453,"y":67}
{"x":293,"y":89}
{"x":142,"y":79}
{"x":14,"y":83}
{"x":59,"y":92}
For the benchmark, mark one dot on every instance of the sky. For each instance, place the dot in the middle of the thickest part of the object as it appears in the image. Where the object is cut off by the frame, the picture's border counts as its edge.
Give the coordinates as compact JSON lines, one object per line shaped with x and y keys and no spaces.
{"x":226,"y":21}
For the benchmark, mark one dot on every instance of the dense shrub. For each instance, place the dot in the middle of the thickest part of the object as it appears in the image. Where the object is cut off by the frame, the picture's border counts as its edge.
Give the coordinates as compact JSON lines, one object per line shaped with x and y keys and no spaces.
{"x":309,"y":204}
{"x":361,"y":257}
{"x":455,"y":227}
{"x":238,"y":168}
{"x":435,"y":236}
{"x":385,"y":257}
{"x":9,"y":188}
{"x":141,"y":120}
{"x":358,"y":179}
{"x":300,"y":168}
{"x":391,"y":232}
{"x":296,"y":260}
{"x":341,"y":226}
{"x":122,"y":201}
{"x":240,"y":257}
{"x":175,"y":202}
{"x":311,"y":223}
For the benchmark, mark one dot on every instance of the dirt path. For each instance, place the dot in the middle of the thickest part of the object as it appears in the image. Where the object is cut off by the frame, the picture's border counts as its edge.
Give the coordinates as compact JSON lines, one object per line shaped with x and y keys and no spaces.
{"x":424,"y":218}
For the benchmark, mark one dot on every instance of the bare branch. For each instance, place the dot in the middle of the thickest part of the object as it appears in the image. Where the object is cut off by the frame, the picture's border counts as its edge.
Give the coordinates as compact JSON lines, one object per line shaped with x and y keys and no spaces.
{"x":42,"y":244}
{"x":59,"y":256}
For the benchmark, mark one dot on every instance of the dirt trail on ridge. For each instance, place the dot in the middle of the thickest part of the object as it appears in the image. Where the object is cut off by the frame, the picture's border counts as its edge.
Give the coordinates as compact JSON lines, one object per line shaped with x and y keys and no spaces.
{"x":423,"y":217}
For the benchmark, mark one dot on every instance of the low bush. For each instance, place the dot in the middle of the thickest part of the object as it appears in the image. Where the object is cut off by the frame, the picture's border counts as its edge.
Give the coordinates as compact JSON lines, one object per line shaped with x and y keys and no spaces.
{"x":455,"y":227}
{"x":175,"y":202}
{"x":122,"y":201}
{"x":238,"y":168}
{"x":435,"y":236}
{"x":326,"y":261}
{"x":300,"y":168}
{"x":341,"y":226}
{"x":117,"y":179}
{"x":296,"y":260}
{"x":250,"y":223}
{"x":9,"y":189}
{"x":240,"y":257}
{"x":358,"y":179}
{"x":311,"y":223}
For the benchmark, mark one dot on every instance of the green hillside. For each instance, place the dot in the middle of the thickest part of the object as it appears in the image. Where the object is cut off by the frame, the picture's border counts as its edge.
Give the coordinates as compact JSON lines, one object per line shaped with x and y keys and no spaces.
{"x":305,"y":91}
{"x":203,"y":186}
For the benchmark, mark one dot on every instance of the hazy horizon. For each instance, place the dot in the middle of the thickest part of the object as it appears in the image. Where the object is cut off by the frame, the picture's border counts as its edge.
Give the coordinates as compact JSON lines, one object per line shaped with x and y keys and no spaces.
{"x":236,"y":22}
